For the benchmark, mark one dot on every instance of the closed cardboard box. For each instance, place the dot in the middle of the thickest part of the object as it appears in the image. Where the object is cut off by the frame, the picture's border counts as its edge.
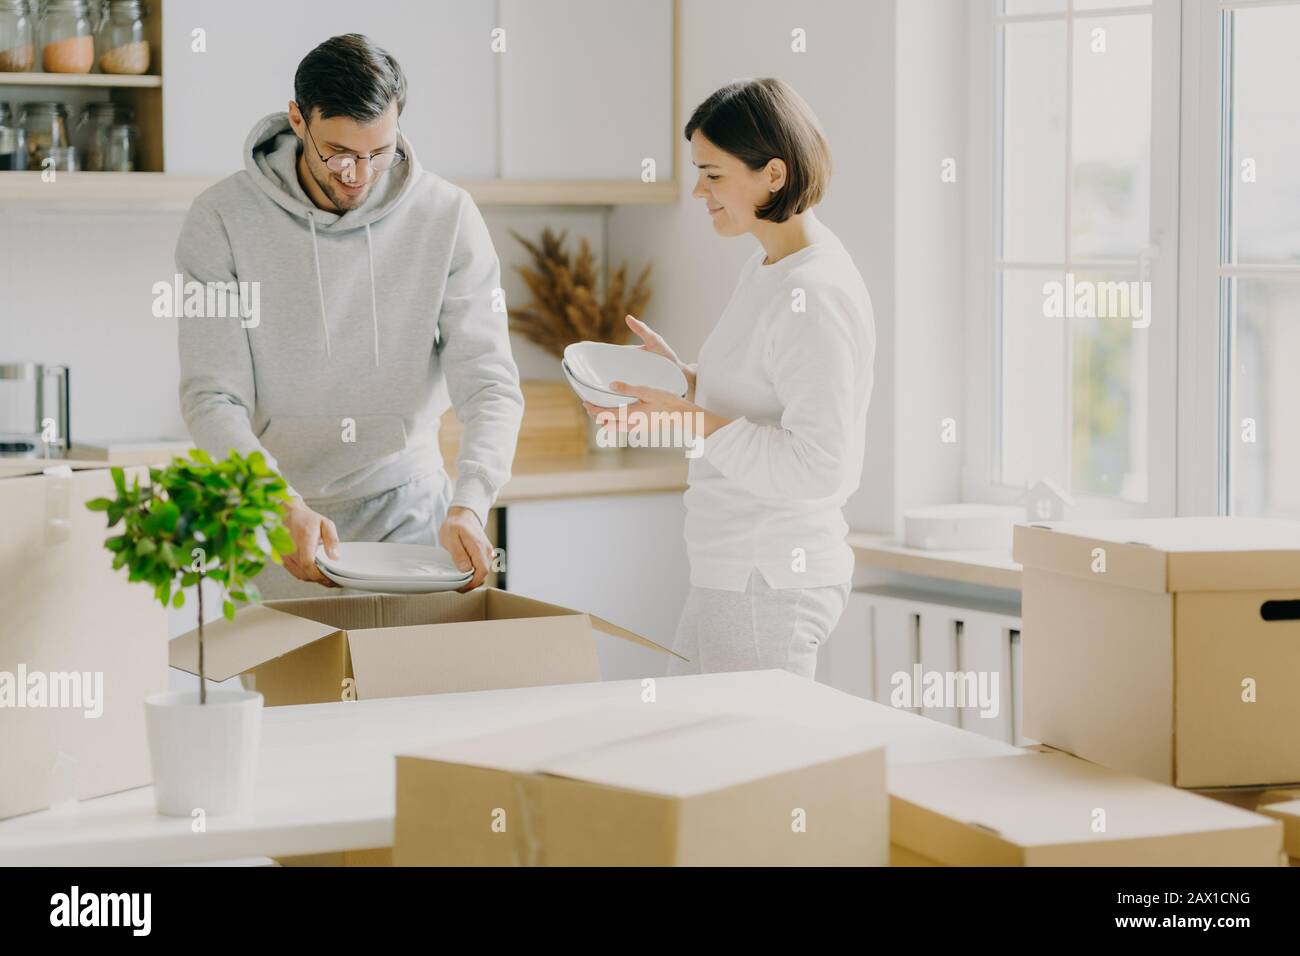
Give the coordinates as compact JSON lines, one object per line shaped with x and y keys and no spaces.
{"x":1167,"y":648}
{"x":642,"y":786}
{"x":1044,"y":809}
{"x":80,"y":647}
{"x":1288,"y":814}
{"x":317,"y":650}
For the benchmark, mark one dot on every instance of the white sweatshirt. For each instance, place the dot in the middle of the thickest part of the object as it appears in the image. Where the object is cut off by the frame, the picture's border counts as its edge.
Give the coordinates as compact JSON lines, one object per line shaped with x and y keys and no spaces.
{"x":790,"y":361}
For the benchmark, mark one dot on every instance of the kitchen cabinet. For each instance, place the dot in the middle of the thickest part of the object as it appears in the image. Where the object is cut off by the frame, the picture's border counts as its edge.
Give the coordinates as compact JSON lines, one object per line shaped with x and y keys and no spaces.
{"x":587,"y":89}
{"x":621,"y":557}
{"x":213,"y":98}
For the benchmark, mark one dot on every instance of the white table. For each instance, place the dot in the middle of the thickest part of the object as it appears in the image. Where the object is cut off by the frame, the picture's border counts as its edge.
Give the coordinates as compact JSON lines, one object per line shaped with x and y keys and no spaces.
{"x":326,"y":775}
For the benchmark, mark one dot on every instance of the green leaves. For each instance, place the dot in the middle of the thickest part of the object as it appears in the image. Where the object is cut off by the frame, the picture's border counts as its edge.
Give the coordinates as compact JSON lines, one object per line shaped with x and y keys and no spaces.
{"x":230,"y":511}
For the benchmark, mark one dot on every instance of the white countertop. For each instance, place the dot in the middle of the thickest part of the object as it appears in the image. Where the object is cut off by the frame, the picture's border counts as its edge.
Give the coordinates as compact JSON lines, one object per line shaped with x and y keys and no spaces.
{"x":326,"y":777}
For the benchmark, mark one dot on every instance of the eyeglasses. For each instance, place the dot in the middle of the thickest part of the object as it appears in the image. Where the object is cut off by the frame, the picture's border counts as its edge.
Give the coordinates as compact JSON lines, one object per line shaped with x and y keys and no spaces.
{"x":380,"y":162}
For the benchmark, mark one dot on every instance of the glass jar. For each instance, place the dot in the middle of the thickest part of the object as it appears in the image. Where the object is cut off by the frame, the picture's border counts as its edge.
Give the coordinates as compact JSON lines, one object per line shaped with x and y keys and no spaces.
{"x":46,"y":125}
{"x":17,"y":45}
{"x":120,"y":44}
{"x":117,"y":146}
{"x":67,"y":45}
{"x":89,"y":129}
{"x":13,"y":147}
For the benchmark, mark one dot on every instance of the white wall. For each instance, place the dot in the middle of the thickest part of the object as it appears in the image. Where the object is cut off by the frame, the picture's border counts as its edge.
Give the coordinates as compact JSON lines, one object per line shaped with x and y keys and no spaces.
{"x":847,"y":76}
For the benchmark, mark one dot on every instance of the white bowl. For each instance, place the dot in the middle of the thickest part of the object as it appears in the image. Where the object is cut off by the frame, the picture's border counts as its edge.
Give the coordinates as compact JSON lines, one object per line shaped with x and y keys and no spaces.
{"x":399,"y":586}
{"x":390,"y":561}
{"x":597,"y":364}
{"x":596,"y":396}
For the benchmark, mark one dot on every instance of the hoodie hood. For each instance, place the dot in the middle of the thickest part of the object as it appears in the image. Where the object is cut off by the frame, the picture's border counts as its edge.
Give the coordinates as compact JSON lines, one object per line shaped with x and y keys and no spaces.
{"x":271,"y":159}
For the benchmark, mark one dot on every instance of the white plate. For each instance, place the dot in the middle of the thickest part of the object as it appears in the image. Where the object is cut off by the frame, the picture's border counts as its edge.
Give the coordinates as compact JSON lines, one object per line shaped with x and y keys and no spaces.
{"x":596,"y":364}
{"x":596,"y":396}
{"x":385,"y":561}
{"x":403,"y":586}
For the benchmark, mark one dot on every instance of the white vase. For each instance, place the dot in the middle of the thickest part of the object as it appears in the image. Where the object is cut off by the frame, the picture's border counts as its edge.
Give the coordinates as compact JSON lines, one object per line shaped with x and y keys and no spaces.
{"x":204,"y":756}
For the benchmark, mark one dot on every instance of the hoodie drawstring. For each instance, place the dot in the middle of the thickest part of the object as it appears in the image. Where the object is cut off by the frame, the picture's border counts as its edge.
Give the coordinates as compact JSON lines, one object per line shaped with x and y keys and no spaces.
{"x":374,"y":309}
{"x":320,"y":288}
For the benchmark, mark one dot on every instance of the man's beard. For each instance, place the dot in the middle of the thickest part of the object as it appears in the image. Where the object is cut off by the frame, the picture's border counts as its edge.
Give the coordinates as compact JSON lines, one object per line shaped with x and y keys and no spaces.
{"x":341,"y":200}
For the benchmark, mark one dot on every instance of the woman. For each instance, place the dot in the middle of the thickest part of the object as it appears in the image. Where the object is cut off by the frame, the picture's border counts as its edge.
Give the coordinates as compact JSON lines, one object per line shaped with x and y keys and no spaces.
{"x":781,"y":388}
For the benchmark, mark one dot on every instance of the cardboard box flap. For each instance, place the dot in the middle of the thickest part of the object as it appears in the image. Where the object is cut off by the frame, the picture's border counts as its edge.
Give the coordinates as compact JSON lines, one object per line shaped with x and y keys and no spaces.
{"x":1045,"y":800}
{"x":453,"y":658}
{"x":713,"y":754}
{"x":256,"y":635}
{"x":526,"y":748}
{"x":1168,"y":554}
{"x":509,"y":604}
{"x":650,"y":750}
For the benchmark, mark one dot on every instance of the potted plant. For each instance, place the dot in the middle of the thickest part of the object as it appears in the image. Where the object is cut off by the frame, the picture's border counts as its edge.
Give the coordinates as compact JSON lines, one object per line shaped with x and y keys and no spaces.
{"x":200,"y":520}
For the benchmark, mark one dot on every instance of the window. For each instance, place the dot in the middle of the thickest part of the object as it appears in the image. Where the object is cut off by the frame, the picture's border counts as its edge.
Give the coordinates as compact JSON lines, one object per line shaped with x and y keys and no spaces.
{"x":1080,"y":274}
{"x":1258,"y":268}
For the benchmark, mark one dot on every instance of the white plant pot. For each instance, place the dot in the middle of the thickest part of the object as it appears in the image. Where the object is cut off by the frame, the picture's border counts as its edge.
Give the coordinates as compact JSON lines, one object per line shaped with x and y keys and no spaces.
{"x":204,"y":756}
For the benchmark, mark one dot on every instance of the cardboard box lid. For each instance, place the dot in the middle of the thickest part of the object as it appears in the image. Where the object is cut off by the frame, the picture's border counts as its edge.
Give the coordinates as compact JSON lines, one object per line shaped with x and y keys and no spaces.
{"x":650,"y":750}
{"x":378,"y":624}
{"x":1169,"y":554}
{"x":1044,"y":800}
{"x":256,"y":635}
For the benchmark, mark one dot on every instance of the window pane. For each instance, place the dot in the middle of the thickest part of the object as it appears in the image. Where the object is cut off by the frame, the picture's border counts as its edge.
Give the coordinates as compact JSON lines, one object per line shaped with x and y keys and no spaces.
{"x":1266,"y":134}
{"x":1263,"y":424}
{"x":1014,"y":8}
{"x":1111,"y":137}
{"x":1033,"y":142}
{"x":1034,"y":382}
{"x":1109,"y":389}
{"x":1104,"y":4}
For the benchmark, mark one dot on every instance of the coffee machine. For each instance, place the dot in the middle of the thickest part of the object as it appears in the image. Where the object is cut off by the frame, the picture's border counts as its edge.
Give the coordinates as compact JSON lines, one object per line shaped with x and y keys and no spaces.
{"x":34,"y":410}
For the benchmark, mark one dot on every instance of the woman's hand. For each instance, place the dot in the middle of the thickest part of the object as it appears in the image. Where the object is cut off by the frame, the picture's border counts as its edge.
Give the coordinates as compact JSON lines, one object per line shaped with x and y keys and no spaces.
{"x":652,"y":341}
{"x":694,"y":423}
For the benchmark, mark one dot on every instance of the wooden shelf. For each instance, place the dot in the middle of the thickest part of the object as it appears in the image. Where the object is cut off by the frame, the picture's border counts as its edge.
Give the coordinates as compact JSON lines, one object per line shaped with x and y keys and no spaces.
{"x":103,"y":189}
{"x":165,"y":191}
{"x":566,"y":192}
{"x":80,"y":80}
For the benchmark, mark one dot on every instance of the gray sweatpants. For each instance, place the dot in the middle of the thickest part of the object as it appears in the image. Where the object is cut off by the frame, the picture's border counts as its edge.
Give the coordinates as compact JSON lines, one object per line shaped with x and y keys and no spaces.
{"x":411,"y":513}
{"x":759,"y":628}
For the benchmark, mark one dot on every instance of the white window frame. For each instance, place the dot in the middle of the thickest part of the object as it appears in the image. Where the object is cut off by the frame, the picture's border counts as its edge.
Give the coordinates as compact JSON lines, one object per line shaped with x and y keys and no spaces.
{"x":983,"y":370}
{"x":1204,"y":383}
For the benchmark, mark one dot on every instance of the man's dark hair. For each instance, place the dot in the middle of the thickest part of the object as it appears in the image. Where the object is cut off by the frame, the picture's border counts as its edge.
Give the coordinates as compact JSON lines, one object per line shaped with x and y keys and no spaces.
{"x":349,"y":76}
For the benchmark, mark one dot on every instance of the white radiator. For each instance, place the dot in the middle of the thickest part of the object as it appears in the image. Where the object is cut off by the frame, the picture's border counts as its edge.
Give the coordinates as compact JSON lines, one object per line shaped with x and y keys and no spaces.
{"x":956,"y":660}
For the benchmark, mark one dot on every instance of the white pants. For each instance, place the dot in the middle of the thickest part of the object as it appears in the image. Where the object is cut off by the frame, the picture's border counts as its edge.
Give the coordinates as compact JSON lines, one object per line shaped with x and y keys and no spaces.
{"x":759,"y":628}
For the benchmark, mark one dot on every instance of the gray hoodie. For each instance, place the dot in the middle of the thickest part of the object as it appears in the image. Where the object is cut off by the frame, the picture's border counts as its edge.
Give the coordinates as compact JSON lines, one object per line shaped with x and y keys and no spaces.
{"x":369,"y":322}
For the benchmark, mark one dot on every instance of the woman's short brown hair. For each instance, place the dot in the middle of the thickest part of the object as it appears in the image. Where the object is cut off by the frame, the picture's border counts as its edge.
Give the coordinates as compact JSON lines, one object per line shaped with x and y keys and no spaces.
{"x":760,"y":120}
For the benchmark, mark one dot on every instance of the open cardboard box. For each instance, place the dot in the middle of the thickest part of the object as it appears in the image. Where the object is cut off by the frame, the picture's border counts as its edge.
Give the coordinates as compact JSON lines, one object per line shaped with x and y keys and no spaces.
{"x":642,"y":786}
{"x":1167,"y":648}
{"x":77,"y":627}
{"x":316,"y":650}
{"x":1044,"y":809}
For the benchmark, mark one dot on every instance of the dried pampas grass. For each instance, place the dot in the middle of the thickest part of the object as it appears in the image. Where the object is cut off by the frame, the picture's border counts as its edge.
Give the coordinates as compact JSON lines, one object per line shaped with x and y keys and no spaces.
{"x":565,"y":309}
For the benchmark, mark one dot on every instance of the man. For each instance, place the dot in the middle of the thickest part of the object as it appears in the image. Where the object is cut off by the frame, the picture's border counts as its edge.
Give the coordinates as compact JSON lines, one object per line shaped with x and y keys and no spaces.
{"x":376,"y":284}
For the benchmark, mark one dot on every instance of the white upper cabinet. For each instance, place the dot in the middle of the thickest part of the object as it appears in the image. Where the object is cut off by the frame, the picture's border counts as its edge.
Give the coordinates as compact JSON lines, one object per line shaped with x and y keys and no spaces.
{"x":212,"y":99}
{"x":586,"y":89}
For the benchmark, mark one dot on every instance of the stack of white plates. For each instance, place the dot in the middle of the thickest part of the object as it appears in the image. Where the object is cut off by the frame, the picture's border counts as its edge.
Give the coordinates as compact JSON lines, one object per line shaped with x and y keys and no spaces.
{"x":392,"y":568}
{"x":590,"y":367}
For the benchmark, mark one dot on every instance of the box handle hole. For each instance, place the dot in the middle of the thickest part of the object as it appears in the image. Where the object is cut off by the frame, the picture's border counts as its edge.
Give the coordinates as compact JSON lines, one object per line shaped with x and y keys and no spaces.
{"x":1280,"y":610}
